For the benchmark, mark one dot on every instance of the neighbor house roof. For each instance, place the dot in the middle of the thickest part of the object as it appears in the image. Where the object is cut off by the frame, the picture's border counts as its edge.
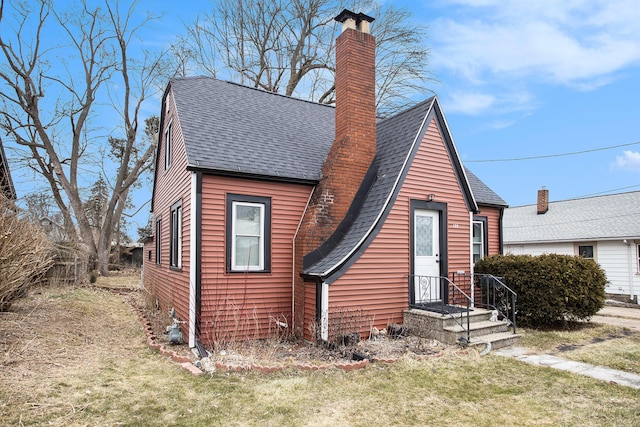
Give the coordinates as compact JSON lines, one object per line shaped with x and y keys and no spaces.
{"x":614,"y":216}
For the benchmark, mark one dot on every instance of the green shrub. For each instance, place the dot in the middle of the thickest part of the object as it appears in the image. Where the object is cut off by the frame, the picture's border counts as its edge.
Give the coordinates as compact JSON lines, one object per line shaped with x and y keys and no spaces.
{"x":551,"y":288}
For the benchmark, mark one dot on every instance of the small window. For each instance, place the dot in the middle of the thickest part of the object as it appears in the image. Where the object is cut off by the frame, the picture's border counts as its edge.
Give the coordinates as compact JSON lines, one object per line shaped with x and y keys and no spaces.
{"x":158,"y":240}
{"x":585,"y":251}
{"x":175,"y":257}
{"x":168,"y":146}
{"x":638,"y":257}
{"x":248,"y":233}
{"x":480,"y":243}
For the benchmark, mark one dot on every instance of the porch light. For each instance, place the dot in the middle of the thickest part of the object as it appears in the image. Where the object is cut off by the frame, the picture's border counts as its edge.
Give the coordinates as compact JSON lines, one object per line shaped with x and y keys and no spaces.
{"x":430,"y":197}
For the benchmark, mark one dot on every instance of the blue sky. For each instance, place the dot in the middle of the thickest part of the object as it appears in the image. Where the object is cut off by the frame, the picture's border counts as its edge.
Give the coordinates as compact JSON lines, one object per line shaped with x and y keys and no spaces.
{"x":517,"y":79}
{"x":523,"y":79}
{"x":520,"y":79}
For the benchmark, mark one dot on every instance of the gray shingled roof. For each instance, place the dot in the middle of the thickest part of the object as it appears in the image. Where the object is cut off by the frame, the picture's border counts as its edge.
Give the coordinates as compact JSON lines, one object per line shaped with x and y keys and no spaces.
{"x":394,"y":140}
{"x":483,"y":194}
{"x":615,"y":216}
{"x":232,"y":128}
{"x":229,"y":128}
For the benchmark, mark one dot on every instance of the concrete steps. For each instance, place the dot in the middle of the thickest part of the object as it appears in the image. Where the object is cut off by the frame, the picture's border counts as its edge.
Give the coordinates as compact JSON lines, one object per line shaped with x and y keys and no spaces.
{"x":446,"y":329}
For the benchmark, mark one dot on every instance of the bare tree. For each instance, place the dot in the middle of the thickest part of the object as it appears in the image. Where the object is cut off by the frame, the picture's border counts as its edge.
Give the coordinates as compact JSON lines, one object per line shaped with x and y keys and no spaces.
{"x":53,"y":94}
{"x":287,"y":47}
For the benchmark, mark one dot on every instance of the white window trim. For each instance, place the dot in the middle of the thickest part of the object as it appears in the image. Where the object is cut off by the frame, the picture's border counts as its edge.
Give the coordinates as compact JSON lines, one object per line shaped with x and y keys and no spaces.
{"x":481,"y":243}
{"x":593,"y":244}
{"x":260,"y":266}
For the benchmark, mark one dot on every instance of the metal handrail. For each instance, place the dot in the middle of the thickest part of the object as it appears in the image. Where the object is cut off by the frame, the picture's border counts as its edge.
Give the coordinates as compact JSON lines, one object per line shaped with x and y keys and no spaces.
{"x":494,"y":297}
{"x":449,"y":295}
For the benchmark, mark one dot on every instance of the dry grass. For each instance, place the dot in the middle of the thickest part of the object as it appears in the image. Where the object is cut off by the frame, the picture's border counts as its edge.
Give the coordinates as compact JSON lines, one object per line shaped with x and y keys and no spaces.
{"x":77,"y":356}
{"x":127,"y":279}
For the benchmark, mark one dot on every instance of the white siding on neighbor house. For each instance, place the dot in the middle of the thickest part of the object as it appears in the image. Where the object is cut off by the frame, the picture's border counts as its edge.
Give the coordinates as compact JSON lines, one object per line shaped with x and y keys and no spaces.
{"x":619,"y":262}
{"x":617,"y":259}
{"x":540,"y":249}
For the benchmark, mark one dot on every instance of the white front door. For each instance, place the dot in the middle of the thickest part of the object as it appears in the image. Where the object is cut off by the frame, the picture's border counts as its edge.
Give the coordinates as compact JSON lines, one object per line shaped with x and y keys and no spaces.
{"x":426,"y":261}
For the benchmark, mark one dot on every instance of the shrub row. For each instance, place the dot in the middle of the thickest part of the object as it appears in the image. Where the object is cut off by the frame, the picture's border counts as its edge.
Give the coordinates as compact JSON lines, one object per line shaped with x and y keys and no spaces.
{"x":551,"y":288}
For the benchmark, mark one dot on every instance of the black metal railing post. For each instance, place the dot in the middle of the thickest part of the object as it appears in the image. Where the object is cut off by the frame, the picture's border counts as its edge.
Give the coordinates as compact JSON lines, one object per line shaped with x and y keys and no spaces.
{"x":498,"y":296}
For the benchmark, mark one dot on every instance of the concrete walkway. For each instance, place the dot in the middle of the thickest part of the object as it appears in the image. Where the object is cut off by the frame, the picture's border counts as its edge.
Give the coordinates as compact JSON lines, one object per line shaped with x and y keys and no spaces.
{"x":619,"y":316}
{"x":610,"y":315}
{"x":598,"y":372}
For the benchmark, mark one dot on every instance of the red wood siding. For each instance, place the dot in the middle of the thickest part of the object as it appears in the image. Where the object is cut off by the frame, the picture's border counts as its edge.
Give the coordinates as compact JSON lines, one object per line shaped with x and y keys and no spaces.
{"x":170,"y":286}
{"x":377,"y":284}
{"x":245,"y":305}
{"x":493,"y":228}
{"x":311,"y":330}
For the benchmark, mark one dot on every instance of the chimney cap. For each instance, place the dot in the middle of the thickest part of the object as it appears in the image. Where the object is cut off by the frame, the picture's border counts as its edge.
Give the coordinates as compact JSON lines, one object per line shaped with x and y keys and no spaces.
{"x":358,"y":17}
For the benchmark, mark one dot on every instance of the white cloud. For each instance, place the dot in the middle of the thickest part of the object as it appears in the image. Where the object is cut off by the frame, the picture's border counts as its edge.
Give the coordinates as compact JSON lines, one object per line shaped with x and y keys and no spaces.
{"x":577,"y":43}
{"x":501,"y":124}
{"x":470,"y":103}
{"x":477,"y":103}
{"x":630,"y":160}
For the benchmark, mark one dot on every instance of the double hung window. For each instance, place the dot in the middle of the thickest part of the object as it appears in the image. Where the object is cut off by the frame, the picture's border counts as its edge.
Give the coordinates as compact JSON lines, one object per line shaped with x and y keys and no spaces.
{"x":248,"y":233}
{"x":480,"y":243}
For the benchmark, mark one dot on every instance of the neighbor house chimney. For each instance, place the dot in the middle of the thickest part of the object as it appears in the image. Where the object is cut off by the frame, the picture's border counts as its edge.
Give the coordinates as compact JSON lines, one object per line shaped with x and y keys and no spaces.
{"x":543,"y":201}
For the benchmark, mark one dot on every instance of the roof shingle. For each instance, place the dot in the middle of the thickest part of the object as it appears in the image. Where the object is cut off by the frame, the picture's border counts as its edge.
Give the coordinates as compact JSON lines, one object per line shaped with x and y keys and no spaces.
{"x":614,"y":216}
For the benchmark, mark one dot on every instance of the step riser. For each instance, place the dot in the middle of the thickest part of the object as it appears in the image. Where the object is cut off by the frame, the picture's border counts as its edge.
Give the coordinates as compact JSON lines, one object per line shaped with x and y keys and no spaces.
{"x":447,"y":321}
{"x":478,"y":332}
{"x":450,"y":320}
{"x":496,"y":344}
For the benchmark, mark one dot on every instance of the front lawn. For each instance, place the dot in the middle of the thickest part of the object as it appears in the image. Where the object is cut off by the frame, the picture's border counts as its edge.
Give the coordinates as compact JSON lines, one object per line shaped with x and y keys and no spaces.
{"x":78,"y":356}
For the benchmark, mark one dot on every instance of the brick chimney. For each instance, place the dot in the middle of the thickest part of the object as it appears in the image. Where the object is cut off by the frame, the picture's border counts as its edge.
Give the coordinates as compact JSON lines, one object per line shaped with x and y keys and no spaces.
{"x":543,"y":201}
{"x":354,"y":146}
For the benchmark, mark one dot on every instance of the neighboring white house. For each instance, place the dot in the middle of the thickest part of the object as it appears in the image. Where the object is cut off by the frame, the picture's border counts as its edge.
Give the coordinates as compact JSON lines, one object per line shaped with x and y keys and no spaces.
{"x":605,"y":228}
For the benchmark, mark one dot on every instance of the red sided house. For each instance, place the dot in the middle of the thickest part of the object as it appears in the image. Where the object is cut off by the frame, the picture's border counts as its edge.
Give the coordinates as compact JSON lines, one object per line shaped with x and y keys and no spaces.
{"x":272,"y":212}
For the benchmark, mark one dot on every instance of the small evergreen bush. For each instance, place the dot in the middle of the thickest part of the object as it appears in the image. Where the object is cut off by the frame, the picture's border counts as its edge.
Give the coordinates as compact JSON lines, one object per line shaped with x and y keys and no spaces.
{"x":551,"y":288}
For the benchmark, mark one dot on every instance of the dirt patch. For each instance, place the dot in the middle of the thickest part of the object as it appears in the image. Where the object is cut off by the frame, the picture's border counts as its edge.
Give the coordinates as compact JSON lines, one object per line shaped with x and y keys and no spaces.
{"x":563,"y":348}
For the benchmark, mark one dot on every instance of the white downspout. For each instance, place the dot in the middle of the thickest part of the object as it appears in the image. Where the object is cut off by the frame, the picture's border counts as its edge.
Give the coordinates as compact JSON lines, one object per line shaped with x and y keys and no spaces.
{"x":192,"y":261}
{"x":324,"y":314}
{"x":630,"y":266}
